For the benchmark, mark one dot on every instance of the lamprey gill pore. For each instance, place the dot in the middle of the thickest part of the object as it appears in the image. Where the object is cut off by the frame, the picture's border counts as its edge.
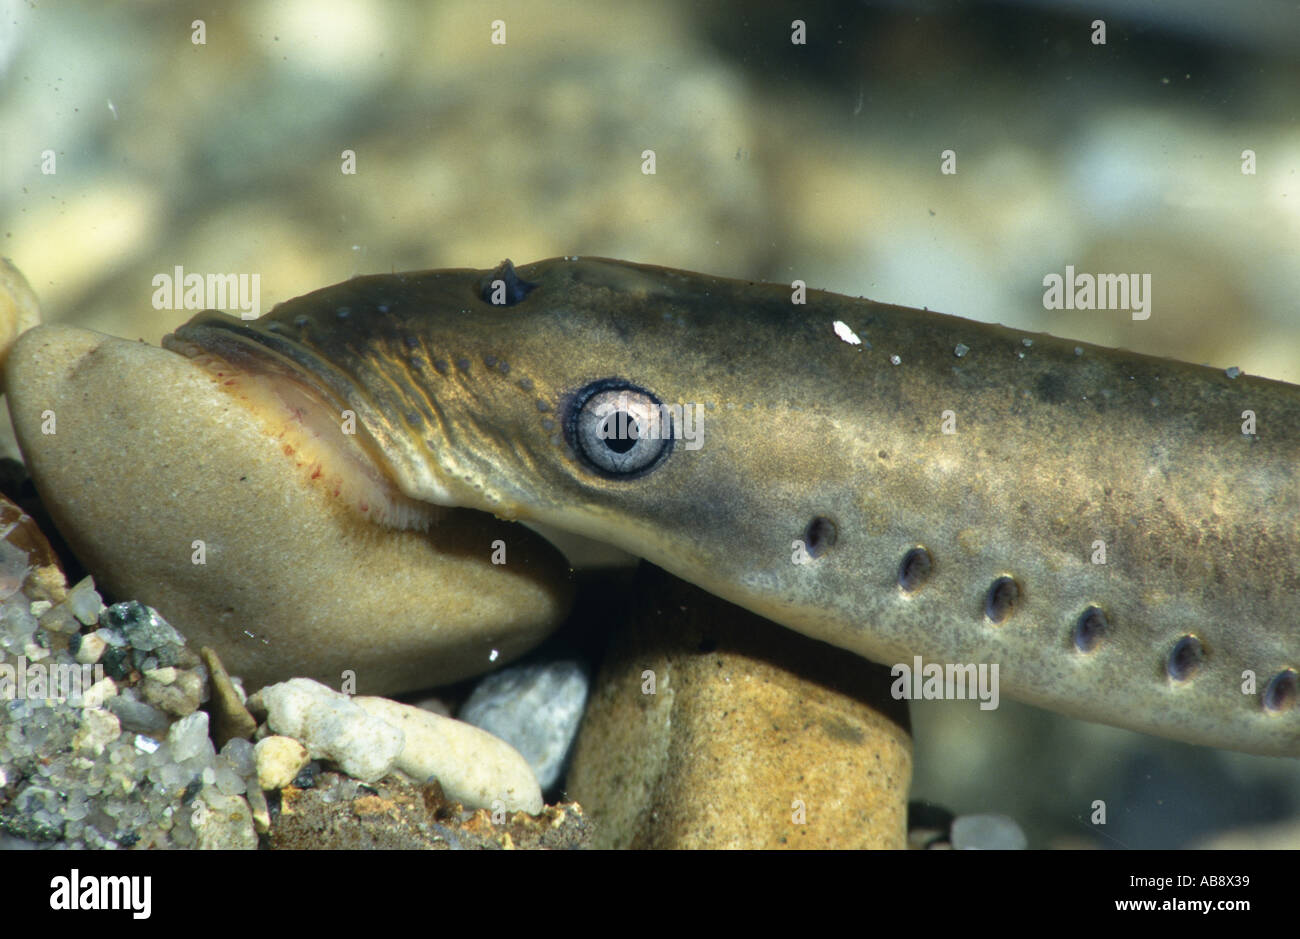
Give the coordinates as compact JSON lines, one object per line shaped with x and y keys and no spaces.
{"x":1119,"y":533}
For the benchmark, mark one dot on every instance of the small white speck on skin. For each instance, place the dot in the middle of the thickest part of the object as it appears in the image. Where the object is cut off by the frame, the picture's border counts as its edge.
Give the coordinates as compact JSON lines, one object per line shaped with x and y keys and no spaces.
{"x":961,"y":349}
{"x":1232,"y":372}
{"x":492,"y":656}
{"x":895,"y":360}
{"x":842,"y":330}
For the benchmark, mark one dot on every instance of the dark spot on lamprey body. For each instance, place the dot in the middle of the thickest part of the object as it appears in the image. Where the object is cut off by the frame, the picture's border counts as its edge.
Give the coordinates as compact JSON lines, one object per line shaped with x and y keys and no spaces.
{"x":1050,"y":388}
{"x":1001,"y":600}
{"x":914,"y":570}
{"x":820,"y":536}
{"x":1090,"y":628}
{"x":1280,"y":694}
{"x":1185,"y":658}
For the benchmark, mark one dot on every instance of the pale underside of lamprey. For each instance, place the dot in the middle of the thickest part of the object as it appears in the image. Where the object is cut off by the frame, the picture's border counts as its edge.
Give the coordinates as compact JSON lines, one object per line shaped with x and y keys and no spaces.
{"x":1120,"y":534}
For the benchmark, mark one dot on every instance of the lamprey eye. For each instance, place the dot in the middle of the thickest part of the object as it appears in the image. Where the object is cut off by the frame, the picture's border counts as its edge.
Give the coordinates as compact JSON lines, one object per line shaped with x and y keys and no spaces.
{"x":619,"y":430}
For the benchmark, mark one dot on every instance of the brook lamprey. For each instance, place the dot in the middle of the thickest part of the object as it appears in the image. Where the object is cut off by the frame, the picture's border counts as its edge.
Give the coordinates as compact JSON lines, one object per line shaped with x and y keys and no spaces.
{"x":1119,"y":533}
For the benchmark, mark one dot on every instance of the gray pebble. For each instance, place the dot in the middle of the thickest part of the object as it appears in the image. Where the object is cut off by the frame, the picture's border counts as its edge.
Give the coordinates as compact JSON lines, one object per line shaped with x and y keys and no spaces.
{"x":138,"y":717}
{"x":142,"y":626}
{"x":988,"y":832}
{"x":536,"y":708}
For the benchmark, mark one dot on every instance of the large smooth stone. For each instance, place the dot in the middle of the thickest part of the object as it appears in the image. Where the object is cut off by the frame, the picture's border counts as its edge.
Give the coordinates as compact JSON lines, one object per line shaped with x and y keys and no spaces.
{"x":710,"y":727}
{"x":149,"y":457}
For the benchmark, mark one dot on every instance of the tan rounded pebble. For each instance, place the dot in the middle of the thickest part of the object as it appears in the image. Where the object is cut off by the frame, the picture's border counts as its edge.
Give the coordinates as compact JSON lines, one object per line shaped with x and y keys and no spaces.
{"x":332,"y":727}
{"x":279,"y":761}
{"x":19,"y":308}
{"x":754,"y":737}
{"x":174,"y":493}
{"x":230,"y":719}
{"x":472,"y":766}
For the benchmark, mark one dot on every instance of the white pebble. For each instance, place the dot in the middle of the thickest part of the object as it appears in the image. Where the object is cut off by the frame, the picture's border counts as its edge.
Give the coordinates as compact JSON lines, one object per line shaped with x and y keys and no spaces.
{"x":188,"y":735}
{"x":472,"y":766}
{"x":84,"y":602}
{"x":332,"y":727}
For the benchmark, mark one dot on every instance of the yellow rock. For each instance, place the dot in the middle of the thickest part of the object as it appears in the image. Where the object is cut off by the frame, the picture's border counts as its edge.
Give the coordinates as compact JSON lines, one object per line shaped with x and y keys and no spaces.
{"x":279,"y":761}
{"x":753,"y":737}
{"x":19,"y":309}
{"x":176,"y":494}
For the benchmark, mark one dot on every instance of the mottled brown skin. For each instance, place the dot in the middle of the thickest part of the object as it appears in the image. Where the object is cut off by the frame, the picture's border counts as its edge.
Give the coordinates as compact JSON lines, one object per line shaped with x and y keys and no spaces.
{"x":1058,"y":445}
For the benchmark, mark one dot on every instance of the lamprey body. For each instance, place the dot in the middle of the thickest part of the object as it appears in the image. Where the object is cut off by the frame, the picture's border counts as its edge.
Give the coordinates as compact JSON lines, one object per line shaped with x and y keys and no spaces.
{"x":1119,"y":533}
